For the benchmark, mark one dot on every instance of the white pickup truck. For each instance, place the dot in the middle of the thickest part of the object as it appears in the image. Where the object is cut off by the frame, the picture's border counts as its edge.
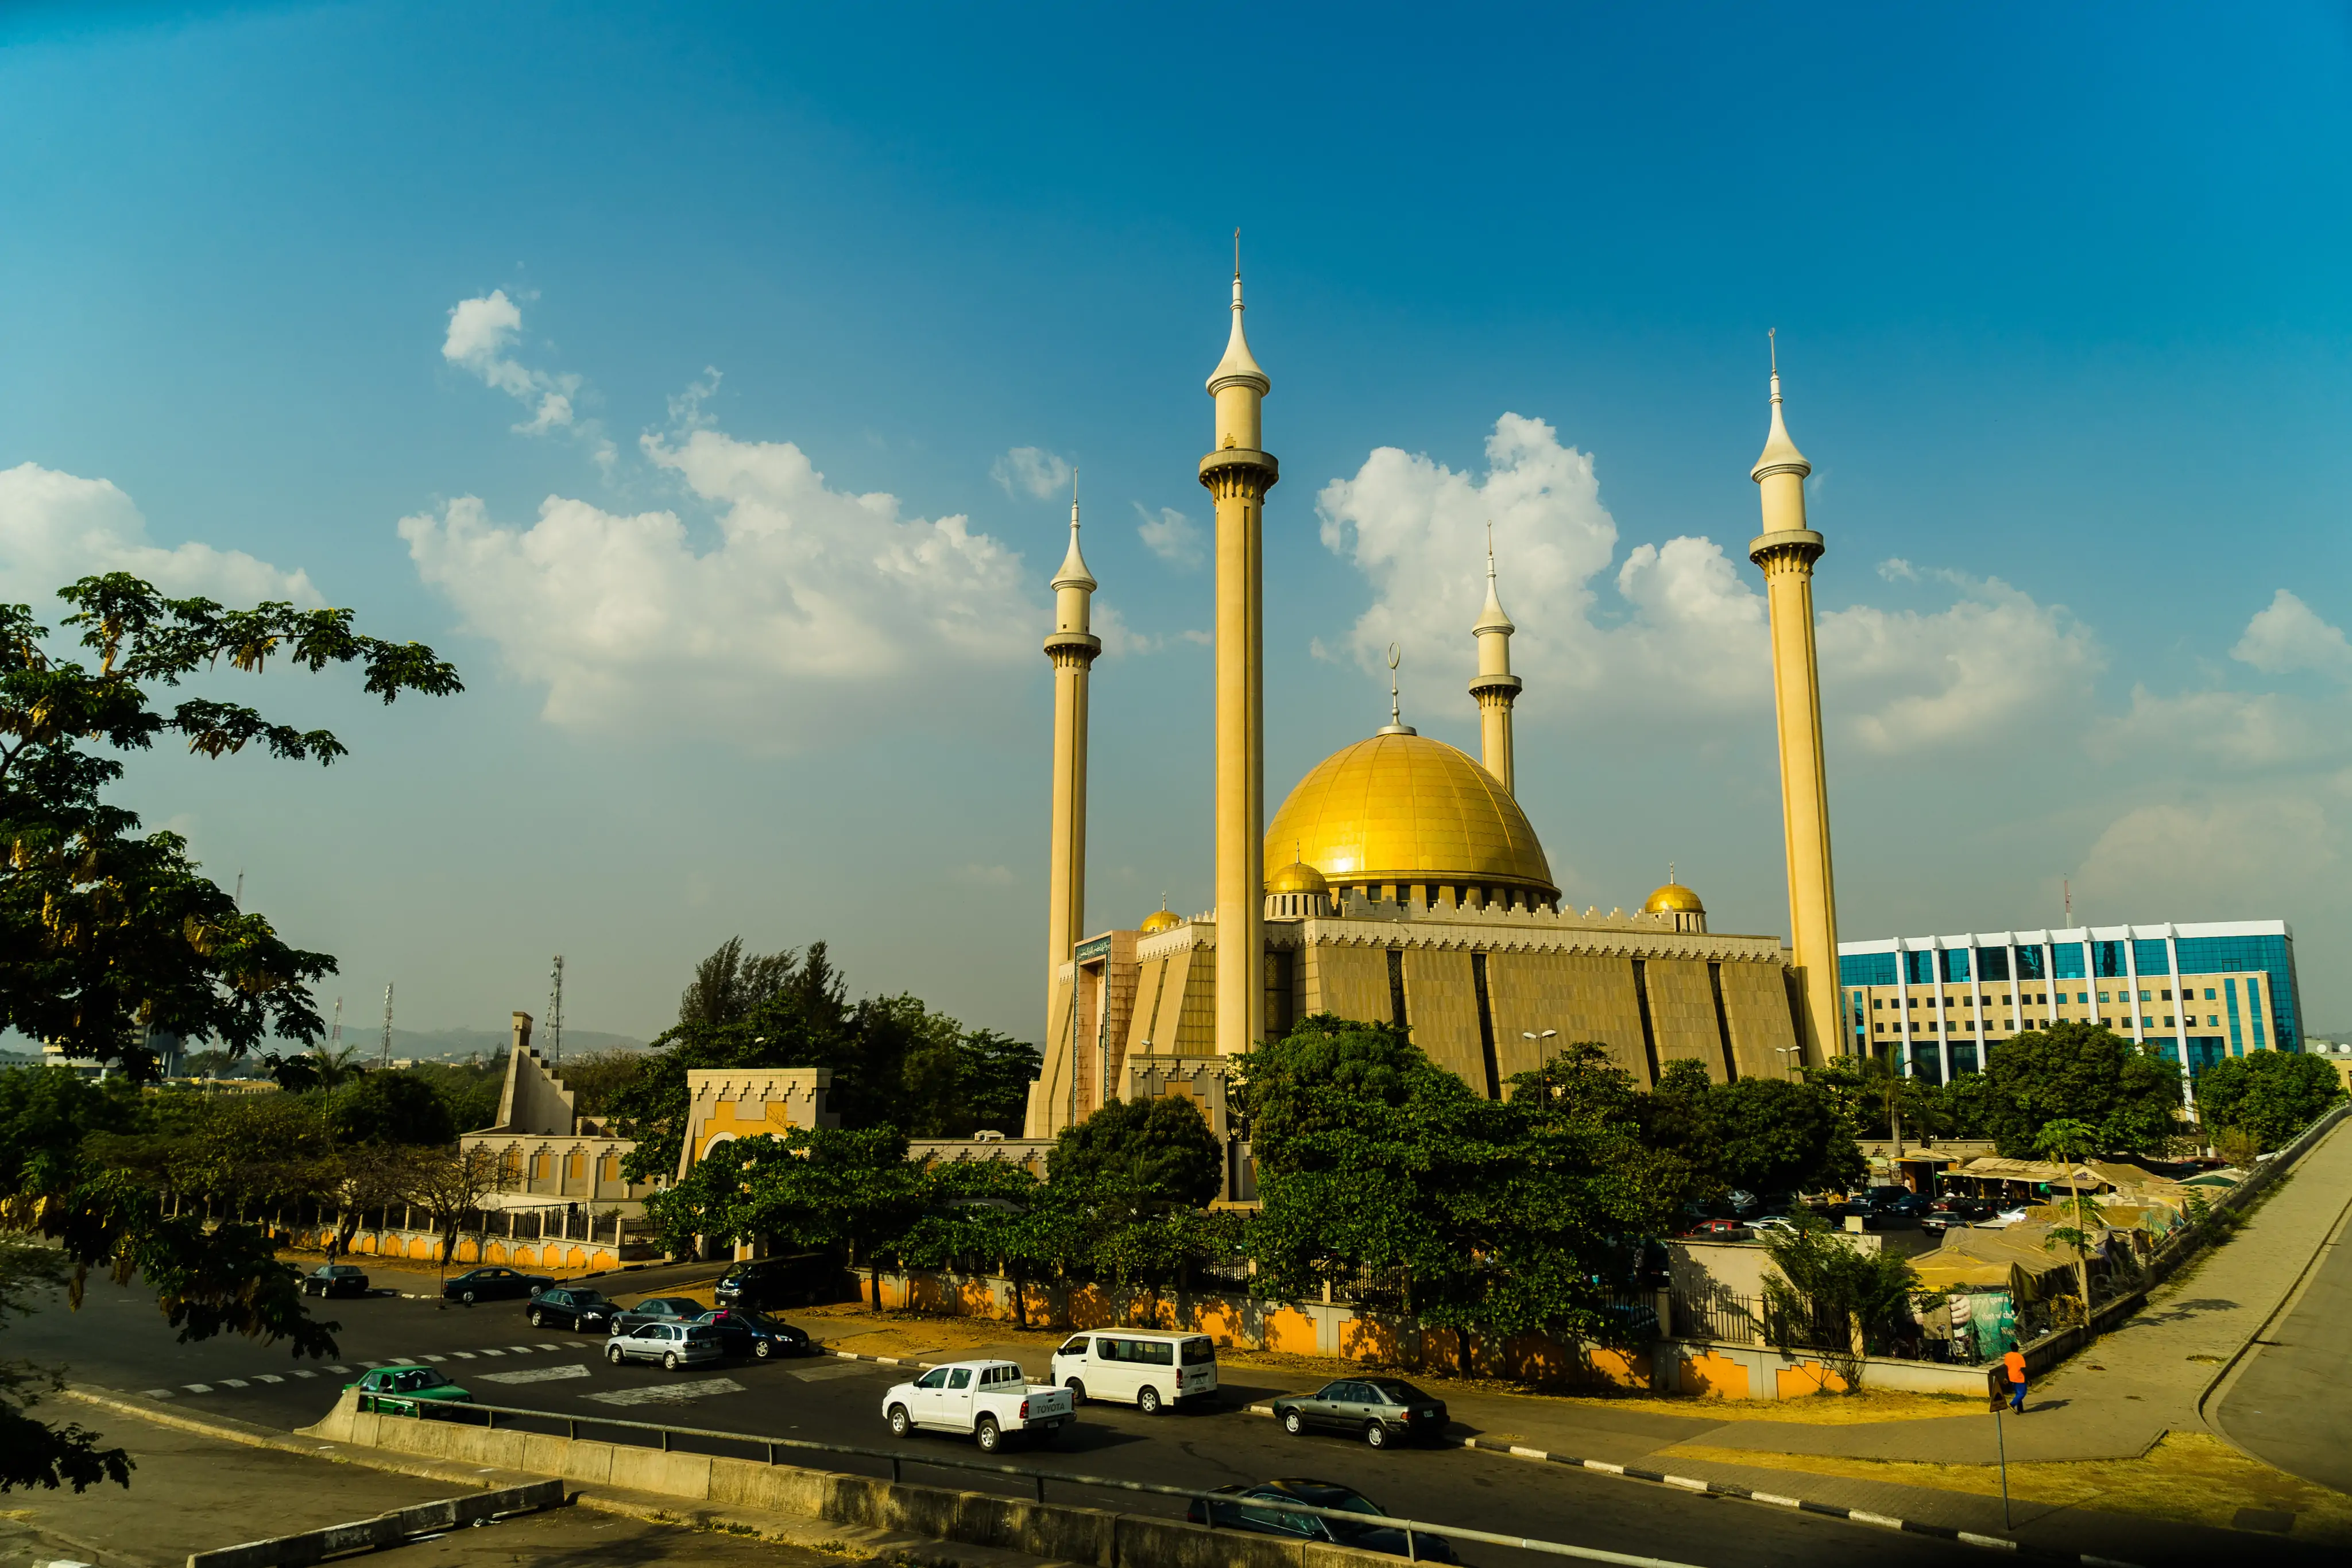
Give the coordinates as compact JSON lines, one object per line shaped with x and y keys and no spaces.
{"x":992,"y":1400}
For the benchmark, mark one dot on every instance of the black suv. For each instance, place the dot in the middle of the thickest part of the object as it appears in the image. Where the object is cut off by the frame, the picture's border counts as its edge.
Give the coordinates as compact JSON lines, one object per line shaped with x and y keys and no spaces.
{"x":1263,"y":1508}
{"x":580,"y":1311}
{"x":489,"y":1284}
{"x":758,"y":1283}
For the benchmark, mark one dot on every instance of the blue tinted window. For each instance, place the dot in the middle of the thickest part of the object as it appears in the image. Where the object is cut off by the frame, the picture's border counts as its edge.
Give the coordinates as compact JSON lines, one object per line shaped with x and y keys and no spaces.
{"x":2066,"y":960}
{"x":1918,"y":968}
{"x":1866,"y":969}
{"x":2272,"y":955}
{"x":1992,"y":963}
{"x":2029,"y":964}
{"x":1956,"y":963}
{"x":2108,"y":960}
{"x":2237,"y":1041}
{"x":2151,"y":959}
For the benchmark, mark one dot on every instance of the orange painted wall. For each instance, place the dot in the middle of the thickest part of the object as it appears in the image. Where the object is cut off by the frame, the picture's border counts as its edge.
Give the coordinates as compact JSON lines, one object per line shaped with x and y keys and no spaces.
{"x":1716,"y":1377}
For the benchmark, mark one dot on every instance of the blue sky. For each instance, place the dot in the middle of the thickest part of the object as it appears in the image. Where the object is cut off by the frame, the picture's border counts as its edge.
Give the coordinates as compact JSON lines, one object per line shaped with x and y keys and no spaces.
{"x":2062,"y":321}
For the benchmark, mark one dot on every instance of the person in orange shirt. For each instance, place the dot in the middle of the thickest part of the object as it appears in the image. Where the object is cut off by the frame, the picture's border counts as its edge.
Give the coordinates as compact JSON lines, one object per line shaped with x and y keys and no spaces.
{"x":2014,"y":1364}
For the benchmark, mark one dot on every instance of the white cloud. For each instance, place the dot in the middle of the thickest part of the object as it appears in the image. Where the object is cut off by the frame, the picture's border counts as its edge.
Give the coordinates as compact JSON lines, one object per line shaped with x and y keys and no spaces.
{"x":986,"y":875}
{"x":481,"y":332}
{"x":1031,"y":471}
{"x":2287,"y":635}
{"x":1685,"y":633}
{"x":2259,"y":853}
{"x":2239,"y":730}
{"x":1119,"y":640}
{"x":1894,"y":568}
{"x":1172,"y":535}
{"x":814,"y":611}
{"x":56,"y":527}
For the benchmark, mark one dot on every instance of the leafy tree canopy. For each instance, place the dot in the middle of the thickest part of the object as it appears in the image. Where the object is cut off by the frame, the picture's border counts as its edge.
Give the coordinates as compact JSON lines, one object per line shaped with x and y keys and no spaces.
{"x":389,"y":1108}
{"x":2085,"y":1073}
{"x":1142,"y":1154}
{"x":106,"y":935}
{"x":2270,"y":1094}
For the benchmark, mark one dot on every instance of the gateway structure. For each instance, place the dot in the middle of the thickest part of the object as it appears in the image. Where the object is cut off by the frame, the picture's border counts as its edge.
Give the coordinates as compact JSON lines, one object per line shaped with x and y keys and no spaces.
{"x":1407,"y":883}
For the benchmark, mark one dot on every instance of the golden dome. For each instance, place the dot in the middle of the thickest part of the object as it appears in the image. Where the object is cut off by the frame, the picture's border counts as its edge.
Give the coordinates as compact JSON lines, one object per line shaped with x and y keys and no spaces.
{"x":1407,"y":808}
{"x":1160,"y":920}
{"x":1674,"y":896}
{"x":1297,"y":877}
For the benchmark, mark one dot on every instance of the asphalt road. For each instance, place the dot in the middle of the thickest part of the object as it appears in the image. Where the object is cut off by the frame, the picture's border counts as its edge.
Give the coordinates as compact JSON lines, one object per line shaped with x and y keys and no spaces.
{"x":121,"y":1342}
{"x":2287,"y":1402}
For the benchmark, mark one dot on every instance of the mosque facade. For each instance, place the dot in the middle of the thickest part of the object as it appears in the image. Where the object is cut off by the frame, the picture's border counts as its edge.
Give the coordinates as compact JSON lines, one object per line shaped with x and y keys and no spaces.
{"x":1408,"y":884}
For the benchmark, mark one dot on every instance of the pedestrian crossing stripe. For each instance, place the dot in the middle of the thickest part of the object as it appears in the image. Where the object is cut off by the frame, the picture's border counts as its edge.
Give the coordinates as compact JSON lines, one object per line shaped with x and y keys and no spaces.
{"x":267,"y":1377}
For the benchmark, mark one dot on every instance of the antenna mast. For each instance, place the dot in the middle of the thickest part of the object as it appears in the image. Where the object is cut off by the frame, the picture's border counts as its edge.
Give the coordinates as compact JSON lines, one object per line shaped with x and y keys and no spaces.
{"x":387,"y":1020}
{"x":335,"y":1041}
{"x":555,"y":1013}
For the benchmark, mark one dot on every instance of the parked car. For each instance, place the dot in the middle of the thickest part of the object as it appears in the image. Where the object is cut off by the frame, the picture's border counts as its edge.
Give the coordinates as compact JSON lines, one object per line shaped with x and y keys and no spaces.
{"x":656,"y":1309}
{"x":756,"y":1334}
{"x":572,"y":1307}
{"x":1383,"y":1409}
{"x":763,"y":1282}
{"x":399,"y":1390}
{"x":1261,"y":1508}
{"x":1968,"y":1210}
{"x":2002,"y":1220}
{"x":991,"y":1399}
{"x":492,"y":1284}
{"x":1897,"y":1200}
{"x":335,"y":1279}
{"x":1718,"y":1230}
{"x":1773,"y":1222}
{"x":1153,"y":1370}
{"x":674,"y":1345}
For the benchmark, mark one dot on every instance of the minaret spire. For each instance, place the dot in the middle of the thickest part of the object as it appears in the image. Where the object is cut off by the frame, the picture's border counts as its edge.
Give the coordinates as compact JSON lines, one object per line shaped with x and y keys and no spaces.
{"x":1496,"y":688}
{"x":1396,"y":725}
{"x":1072,"y":648}
{"x":1237,"y":472}
{"x":1786,"y":551}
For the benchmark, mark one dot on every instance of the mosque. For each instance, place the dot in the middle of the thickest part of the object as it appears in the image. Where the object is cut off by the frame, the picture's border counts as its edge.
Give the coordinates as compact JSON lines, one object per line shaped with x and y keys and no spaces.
{"x":1409,"y":884}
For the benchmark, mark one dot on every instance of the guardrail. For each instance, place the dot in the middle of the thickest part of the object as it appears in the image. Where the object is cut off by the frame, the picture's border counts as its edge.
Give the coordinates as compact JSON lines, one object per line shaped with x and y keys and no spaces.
{"x":1209,"y":1500}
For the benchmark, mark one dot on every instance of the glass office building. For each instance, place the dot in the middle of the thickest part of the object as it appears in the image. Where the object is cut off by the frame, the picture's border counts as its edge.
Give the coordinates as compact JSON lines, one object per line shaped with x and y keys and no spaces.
{"x":2197,"y":993}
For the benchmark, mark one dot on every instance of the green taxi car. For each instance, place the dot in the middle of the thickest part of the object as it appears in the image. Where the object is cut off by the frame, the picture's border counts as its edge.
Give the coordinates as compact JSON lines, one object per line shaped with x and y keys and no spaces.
{"x":400,"y":1390}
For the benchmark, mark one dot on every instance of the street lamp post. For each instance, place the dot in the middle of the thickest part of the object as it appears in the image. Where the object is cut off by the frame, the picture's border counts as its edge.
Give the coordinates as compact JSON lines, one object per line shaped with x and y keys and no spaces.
{"x":1784,"y":1051}
{"x":1543,"y":1057}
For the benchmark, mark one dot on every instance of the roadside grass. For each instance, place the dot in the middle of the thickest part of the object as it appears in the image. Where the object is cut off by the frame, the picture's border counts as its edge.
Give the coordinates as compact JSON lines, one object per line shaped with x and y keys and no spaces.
{"x":2192,"y":1478}
{"x":844,"y":1326}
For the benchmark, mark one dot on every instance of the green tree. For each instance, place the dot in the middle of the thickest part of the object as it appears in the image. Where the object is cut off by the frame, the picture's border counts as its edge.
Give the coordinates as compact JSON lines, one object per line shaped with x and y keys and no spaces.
{"x":46,"y":1119}
{"x":470,"y":1088}
{"x":104,"y":935}
{"x":1825,"y":1294}
{"x":388,"y":1108}
{"x":597,"y":1078}
{"x":2272,"y":1095}
{"x":2070,"y":1142}
{"x":811,"y":1190}
{"x":2086,"y":1072}
{"x":1773,"y":1135}
{"x":1140,"y":1154}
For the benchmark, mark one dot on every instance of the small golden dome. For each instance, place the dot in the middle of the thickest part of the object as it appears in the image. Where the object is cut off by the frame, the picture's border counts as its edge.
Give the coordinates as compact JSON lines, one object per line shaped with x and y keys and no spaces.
{"x":1675,"y":896}
{"x":1160,"y":920}
{"x":1406,"y":809}
{"x":1297,"y":877}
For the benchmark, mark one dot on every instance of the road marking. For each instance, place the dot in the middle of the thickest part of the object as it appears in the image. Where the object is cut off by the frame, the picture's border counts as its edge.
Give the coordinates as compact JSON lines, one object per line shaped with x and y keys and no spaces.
{"x":824,"y":1370}
{"x":345,"y":1371}
{"x":371,"y":1366}
{"x":668,"y":1392}
{"x":432,"y":1358}
{"x":161,"y":1392}
{"x":1528,"y":1453}
{"x":1685,"y":1483}
{"x":536,"y":1374}
{"x":235,"y":1382}
{"x":267,"y":1378}
{"x":463,"y":1354}
{"x":197,"y":1387}
{"x":305,"y":1373}
{"x":1776,"y":1499}
{"x":488,"y":1351}
{"x":520,"y":1349}
{"x":1861,"y":1518}
{"x":544,"y":1345}
{"x":1974,"y":1540}
{"x":575,"y":1345}
{"x":1600,"y":1465}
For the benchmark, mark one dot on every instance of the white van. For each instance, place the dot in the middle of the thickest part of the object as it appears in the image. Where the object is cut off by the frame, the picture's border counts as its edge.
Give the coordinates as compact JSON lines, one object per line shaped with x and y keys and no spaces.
{"x":1149,"y":1369}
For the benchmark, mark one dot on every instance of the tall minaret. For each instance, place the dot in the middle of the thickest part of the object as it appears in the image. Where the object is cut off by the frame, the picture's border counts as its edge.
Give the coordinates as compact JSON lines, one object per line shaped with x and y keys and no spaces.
{"x":1496,"y":688}
{"x":1787,"y":549}
{"x":1238,"y":473}
{"x":1072,"y":648}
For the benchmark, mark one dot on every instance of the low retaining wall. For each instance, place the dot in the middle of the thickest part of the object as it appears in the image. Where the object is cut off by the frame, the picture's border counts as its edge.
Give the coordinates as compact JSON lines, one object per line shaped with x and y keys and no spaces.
{"x":384,"y":1529}
{"x":424,"y":1246}
{"x":1054,"y":1530}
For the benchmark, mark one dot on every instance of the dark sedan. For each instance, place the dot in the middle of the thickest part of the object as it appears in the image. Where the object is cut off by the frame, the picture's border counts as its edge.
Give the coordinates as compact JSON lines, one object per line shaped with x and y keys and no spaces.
{"x":756,"y":1334}
{"x":656,"y":1309}
{"x":492,"y":1284}
{"x":1382,"y":1409}
{"x":335,"y":1279}
{"x":1261,"y":1508}
{"x":567,"y":1307}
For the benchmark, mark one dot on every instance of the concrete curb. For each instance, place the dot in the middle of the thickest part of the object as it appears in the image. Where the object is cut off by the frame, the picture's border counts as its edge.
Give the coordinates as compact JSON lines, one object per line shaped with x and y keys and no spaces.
{"x":384,"y":1529}
{"x":1803,"y":1505}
